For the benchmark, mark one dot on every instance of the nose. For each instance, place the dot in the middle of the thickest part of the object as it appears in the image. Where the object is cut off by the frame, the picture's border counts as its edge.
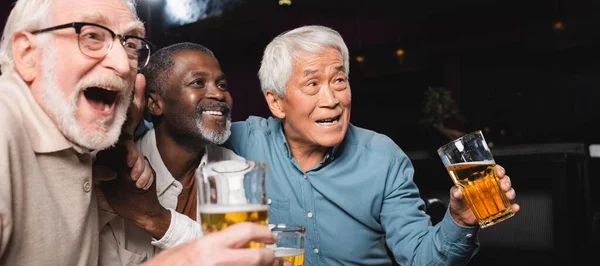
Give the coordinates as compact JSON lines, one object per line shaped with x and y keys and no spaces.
{"x":328,"y":98}
{"x":117,"y":59}
{"x":213,"y":92}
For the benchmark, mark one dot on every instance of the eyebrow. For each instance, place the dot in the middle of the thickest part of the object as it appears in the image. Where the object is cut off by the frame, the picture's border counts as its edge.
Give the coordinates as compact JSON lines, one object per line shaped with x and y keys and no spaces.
{"x":135,"y":28}
{"x":309,"y":72}
{"x":341,"y":68}
{"x":205,"y":74}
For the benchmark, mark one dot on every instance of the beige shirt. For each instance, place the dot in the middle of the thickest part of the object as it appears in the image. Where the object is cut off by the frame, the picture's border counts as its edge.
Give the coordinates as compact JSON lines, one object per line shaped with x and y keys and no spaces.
{"x":48,"y":211}
{"x":122,"y":243}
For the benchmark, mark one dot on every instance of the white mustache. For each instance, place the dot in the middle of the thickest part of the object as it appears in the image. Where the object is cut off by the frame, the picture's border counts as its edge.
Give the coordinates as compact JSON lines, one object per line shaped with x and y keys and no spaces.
{"x":104,"y":80}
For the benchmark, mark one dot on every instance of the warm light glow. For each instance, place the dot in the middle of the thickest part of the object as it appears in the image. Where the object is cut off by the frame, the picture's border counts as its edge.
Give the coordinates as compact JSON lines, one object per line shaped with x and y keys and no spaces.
{"x":559,"y":25}
{"x":399,"y":52}
{"x":285,"y":2}
{"x":360,"y":59}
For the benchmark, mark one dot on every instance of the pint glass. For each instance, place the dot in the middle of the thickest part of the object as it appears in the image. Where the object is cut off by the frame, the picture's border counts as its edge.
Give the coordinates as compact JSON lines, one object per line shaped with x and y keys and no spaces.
{"x":471,"y":166}
{"x":230,"y":192}
{"x":289,"y":244}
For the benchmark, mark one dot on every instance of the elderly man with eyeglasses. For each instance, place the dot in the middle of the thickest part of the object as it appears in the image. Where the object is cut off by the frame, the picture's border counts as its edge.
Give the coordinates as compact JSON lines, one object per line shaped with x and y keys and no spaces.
{"x":68,"y":71}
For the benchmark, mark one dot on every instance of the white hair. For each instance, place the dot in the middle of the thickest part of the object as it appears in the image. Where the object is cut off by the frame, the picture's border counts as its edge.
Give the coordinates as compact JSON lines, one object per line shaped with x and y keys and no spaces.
{"x":30,"y":15}
{"x":277,"y":62}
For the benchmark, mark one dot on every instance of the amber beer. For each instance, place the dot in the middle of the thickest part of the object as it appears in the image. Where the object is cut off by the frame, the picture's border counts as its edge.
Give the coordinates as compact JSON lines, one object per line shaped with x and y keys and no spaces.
{"x":293,"y":255}
{"x":218,"y":217}
{"x":480,"y":186}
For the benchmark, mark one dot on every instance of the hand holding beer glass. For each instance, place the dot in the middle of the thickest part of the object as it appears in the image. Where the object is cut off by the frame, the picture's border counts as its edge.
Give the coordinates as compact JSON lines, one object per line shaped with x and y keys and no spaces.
{"x":289,"y":244}
{"x":230,"y":192}
{"x":471,"y":166}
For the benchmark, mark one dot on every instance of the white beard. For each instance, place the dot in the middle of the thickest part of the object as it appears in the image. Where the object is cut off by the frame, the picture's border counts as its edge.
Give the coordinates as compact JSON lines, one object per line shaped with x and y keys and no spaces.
{"x":64,"y":109}
{"x":216,"y":137}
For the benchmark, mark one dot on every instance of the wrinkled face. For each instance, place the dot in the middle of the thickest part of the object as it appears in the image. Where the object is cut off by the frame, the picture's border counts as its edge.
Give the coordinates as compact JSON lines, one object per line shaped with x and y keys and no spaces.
{"x":317,"y":100}
{"x":86,"y":97}
{"x":197,"y":103}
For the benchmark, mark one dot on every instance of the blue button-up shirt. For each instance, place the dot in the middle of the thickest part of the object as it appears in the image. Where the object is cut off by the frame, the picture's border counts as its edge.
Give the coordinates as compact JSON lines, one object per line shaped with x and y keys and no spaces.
{"x":360,"y":198}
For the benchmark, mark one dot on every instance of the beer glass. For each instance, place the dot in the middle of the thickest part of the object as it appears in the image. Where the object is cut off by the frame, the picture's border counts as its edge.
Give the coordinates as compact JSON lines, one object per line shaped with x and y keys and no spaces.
{"x":229,"y":192}
{"x":471,"y":166}
{"x":289,"y":244}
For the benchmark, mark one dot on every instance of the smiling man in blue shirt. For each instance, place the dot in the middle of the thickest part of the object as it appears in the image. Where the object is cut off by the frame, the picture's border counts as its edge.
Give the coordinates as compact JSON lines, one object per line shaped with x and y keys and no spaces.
{"x":351,"y":188}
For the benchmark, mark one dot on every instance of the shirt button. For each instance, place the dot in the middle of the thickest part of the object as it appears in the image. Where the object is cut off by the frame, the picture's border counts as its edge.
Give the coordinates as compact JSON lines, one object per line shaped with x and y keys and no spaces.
{"x":87,"y":186}
{"x":316,"y":250}
{"x":305,"y":176}
{"x":309,"y":215}
{"x":269,"y":201}
{"x":469,"y":235}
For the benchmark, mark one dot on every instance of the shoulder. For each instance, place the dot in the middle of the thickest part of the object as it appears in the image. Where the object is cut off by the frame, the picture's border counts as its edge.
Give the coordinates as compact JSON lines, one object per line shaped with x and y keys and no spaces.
{"x":257,"y":124}
{"x":10,"y":116}
{"x":372,"y":141}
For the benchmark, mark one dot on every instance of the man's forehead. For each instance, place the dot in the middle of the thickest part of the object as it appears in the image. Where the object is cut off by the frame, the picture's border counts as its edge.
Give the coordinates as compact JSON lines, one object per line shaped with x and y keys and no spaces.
{"x":113,"y":14}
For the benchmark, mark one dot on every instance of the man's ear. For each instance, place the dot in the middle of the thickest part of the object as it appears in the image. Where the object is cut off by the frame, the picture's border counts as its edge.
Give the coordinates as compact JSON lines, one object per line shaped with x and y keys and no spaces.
{"x":275,"y":103}
{"x":154,"y":104}
{"x":23,"y":46}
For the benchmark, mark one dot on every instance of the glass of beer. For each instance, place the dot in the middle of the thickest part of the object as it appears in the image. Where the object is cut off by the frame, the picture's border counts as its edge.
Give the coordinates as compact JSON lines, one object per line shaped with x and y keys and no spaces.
{"x":471,"y":166}
{"x":229,"y":192}
{"x":289,"y":243}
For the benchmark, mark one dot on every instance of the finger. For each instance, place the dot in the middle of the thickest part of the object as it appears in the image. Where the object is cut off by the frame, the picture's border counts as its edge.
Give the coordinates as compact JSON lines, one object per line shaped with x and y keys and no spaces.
{"x":515,"y":207}
{"x":145,"y":180}
{"x":138,"y":168}
{"x":456,"y":193}
{"x":506,"y":184}
{"x":281,"y":262}
{"x":500,"y":171}
{"x":102,"y":173}
{"x":132,"y":152}
{"x":511,"y":194}
{"x":238,"y":235}
{"x":140,"y":86}
{"x":253,"y":256}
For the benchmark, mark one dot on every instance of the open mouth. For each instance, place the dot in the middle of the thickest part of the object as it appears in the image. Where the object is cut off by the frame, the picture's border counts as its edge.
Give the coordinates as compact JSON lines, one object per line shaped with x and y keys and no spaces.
{"x":328,"y":121}
{"x":217,"y":110}
{"x":101,"y":99}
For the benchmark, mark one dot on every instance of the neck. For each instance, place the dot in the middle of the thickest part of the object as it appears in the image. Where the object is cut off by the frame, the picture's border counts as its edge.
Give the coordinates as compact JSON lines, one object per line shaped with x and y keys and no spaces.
{"x":308,"y":155}
{"x":180,"y":161}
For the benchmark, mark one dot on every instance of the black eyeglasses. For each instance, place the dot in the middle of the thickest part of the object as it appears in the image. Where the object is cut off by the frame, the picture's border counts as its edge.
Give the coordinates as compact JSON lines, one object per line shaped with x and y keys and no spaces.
{"x":96,"y":41}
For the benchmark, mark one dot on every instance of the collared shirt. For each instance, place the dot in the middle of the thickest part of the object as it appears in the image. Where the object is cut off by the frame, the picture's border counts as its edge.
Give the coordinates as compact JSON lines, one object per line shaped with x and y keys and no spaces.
{"x":123,"y":243}
{"x":359,"y":198}
{"x":48,"y":209}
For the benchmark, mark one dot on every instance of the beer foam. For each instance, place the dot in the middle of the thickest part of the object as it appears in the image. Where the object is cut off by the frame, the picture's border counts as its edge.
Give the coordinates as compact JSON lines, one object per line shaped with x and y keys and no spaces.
{"x":220,"y":208}
{"x":288,"y":252}
{"x":486,"y":162}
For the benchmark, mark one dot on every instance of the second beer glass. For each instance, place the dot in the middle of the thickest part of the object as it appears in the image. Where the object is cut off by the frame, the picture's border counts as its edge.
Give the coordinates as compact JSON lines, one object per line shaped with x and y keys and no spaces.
{"x":471,"y":166}
{"x":230,"y":192}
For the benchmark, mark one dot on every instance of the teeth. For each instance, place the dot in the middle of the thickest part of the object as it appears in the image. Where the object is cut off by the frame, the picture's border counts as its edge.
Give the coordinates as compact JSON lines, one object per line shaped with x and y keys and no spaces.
{"x":106,"y":107}
{"x":212,"y":113}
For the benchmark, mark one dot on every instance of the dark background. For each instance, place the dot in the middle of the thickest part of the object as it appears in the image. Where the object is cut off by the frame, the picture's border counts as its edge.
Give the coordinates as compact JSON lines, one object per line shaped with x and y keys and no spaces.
{"x":504,"y":62}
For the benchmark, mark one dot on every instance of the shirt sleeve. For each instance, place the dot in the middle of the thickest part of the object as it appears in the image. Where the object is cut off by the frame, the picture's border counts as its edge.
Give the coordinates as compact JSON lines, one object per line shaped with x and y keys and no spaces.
{"x":181,"y":229}
{"x":409,"y":233}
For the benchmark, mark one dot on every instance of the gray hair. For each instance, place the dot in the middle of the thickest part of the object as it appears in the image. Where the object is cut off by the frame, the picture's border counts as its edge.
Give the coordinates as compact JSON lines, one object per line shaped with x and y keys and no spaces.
{"x":277,"y":62}
{"x":30,"y":15}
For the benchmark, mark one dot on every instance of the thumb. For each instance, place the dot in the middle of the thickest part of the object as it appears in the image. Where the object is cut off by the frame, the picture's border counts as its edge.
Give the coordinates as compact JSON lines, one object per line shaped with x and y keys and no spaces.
{"x":102,"y":173}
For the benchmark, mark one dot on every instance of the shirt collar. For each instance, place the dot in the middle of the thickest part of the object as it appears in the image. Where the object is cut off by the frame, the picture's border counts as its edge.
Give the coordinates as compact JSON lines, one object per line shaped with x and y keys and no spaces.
{"x":43,"y":133}
{"x":164,"y":178}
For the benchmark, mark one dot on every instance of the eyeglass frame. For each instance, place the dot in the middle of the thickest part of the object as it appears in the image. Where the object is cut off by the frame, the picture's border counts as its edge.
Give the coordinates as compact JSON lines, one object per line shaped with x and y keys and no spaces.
{"x":122,"y":38}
